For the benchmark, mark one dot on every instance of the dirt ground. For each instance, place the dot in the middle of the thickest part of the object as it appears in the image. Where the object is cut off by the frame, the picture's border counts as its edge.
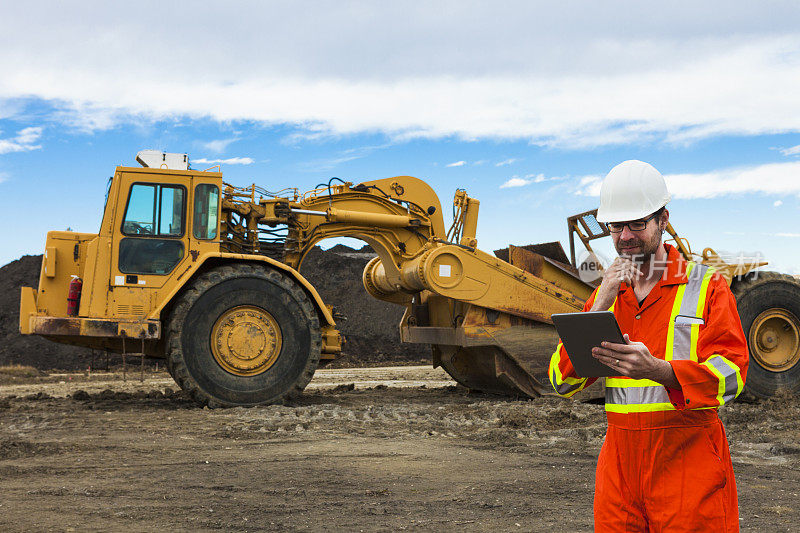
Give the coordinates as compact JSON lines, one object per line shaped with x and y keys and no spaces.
{"x":376,"y":449}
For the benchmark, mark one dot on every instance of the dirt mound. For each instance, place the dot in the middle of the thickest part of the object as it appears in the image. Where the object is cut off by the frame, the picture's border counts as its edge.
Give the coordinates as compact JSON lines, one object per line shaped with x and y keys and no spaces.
{"x":32,"y":350}
{"x":370,"y":329}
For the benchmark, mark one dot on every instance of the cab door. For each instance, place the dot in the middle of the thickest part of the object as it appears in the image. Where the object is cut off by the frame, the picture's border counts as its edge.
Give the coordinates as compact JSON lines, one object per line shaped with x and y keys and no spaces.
{"x":150,"y":242}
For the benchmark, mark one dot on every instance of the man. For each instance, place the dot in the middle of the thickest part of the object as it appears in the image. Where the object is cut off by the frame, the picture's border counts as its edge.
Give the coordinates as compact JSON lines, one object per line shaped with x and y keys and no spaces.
{"x":665,"y":464}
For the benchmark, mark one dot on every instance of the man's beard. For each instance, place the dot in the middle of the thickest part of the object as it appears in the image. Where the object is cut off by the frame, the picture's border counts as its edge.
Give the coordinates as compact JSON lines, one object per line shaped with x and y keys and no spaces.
{"x":647,"y":248}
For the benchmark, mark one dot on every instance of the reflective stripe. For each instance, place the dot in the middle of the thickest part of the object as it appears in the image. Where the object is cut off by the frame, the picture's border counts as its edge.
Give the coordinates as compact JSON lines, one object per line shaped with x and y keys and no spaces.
{"x":643,"y":408}
{"x":564,"y":386}
{"x":636,"y":395}
{"x":700,"y":311}
{"x":629,"y":382}
{"x":687,"y":314}
{"x":637,"y":399}
{"x":729,"y":375}
{"x":682,"y":344}
{"x":676,"y":306}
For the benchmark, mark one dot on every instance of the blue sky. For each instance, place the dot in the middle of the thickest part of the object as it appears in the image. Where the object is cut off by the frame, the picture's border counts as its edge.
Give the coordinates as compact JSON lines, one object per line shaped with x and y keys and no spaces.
{"x":526,"y":105}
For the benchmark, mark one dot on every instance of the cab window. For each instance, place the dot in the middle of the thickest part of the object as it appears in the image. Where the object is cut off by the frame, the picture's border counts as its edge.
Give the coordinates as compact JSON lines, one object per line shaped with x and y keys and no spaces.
{"x":149,"y":256}
{"x":206,"y":208}
{"x":154,"y":210}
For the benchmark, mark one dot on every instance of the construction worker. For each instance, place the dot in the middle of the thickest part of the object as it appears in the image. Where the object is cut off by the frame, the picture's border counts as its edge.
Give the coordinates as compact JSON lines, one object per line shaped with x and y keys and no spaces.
{"x":665,"y":463}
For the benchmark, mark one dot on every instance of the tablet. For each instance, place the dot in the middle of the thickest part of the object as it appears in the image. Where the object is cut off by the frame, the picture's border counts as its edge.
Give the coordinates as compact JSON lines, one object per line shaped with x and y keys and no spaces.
{"x":580,"y":332}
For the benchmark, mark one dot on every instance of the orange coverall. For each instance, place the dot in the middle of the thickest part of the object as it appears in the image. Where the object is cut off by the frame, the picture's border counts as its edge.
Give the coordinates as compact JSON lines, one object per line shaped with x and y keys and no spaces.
{"x":665,"y":463}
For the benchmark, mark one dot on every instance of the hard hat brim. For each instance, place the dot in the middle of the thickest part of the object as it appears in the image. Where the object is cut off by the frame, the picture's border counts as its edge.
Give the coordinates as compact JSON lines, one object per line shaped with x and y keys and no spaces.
{"x":625,"y":216}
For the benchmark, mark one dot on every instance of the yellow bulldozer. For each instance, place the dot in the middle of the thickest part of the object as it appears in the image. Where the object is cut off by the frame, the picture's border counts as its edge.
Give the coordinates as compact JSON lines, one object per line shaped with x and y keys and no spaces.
{"x":204,"y":274}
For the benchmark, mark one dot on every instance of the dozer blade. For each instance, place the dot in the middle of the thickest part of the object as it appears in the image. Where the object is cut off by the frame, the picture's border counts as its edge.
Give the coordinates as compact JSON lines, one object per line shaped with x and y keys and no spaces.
{"x":492,"y":352}
{"x":487,"y":369}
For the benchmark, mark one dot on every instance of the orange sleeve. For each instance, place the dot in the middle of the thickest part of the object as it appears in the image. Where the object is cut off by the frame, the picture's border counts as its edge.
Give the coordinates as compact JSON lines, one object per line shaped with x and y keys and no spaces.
{"x":561,"y":372}
{"x":719,"y":373}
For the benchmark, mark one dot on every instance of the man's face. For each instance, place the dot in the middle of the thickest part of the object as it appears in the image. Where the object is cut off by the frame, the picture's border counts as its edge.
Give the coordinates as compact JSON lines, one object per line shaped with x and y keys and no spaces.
{"x":640,"y":245}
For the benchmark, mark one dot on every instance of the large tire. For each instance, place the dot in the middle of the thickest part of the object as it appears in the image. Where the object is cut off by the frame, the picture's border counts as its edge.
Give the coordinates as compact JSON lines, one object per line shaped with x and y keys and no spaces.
{"x":769,"y":308}
{"x":286,"y":324}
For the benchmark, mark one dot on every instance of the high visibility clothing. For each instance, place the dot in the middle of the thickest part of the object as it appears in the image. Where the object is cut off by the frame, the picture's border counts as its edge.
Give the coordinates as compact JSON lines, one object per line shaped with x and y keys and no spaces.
{"x":665,"y":464}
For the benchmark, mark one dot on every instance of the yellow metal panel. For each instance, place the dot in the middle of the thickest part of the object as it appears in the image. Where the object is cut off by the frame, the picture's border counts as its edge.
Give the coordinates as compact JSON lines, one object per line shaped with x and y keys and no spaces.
{"x":130,"y":301}
{"x":470,"y":223}
{"x":27,"y":309}
{"x":54,"y":280}
{"x":331,"y":341}
{"x":90,"y":264}
{"x":166,"y":171}
{"x":50,"y":259}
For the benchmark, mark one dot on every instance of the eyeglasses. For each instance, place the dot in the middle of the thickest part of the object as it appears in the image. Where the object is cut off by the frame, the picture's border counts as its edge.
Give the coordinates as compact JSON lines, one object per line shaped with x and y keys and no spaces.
{"x":635,"y":225}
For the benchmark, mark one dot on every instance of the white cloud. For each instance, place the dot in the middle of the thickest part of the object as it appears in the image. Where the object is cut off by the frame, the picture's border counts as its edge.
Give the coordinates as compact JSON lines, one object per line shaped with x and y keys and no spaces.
{"x":219,"y":145}
{"x":456,"y":164}
{"x":667,"y":77}
{"x":480,"y":162}
{"x":777,"y":203}
{"x":789,"y":235}
{"x":771,"y":179}
{"x":22,"y":142}
{"x":794,"y":150}
{"x":28,"y":136}
{"x":539,"y":178}
{"x":589,"y":186}
{"x":229,"y":161}
{"x":528,"y":179}
{"x":506,"y":162}
{"x":515,"y":182}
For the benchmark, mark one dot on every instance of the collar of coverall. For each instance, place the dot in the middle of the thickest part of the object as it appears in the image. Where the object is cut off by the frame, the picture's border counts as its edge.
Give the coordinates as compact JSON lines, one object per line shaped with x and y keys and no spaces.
{"x":676,"y":270}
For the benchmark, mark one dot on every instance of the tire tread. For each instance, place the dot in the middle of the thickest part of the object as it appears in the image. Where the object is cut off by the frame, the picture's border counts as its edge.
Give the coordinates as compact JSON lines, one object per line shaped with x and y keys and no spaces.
{"x":176,"y":358}
{"x":761,"y":382}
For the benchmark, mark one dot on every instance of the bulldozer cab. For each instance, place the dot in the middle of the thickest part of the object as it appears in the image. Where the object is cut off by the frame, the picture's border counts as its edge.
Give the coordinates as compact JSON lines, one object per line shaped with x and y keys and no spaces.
{"x":159,"y":221}
{"x":155,"y":222}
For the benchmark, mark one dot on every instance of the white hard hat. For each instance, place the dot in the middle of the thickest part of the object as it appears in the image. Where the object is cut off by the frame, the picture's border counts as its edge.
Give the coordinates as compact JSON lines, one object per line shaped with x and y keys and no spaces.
{"x":632,"y":190}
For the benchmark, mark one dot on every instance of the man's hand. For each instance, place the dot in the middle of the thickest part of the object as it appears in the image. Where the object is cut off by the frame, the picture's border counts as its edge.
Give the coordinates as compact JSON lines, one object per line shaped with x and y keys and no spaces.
{"x":634,"y":360}
{"x":622,"y":269}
